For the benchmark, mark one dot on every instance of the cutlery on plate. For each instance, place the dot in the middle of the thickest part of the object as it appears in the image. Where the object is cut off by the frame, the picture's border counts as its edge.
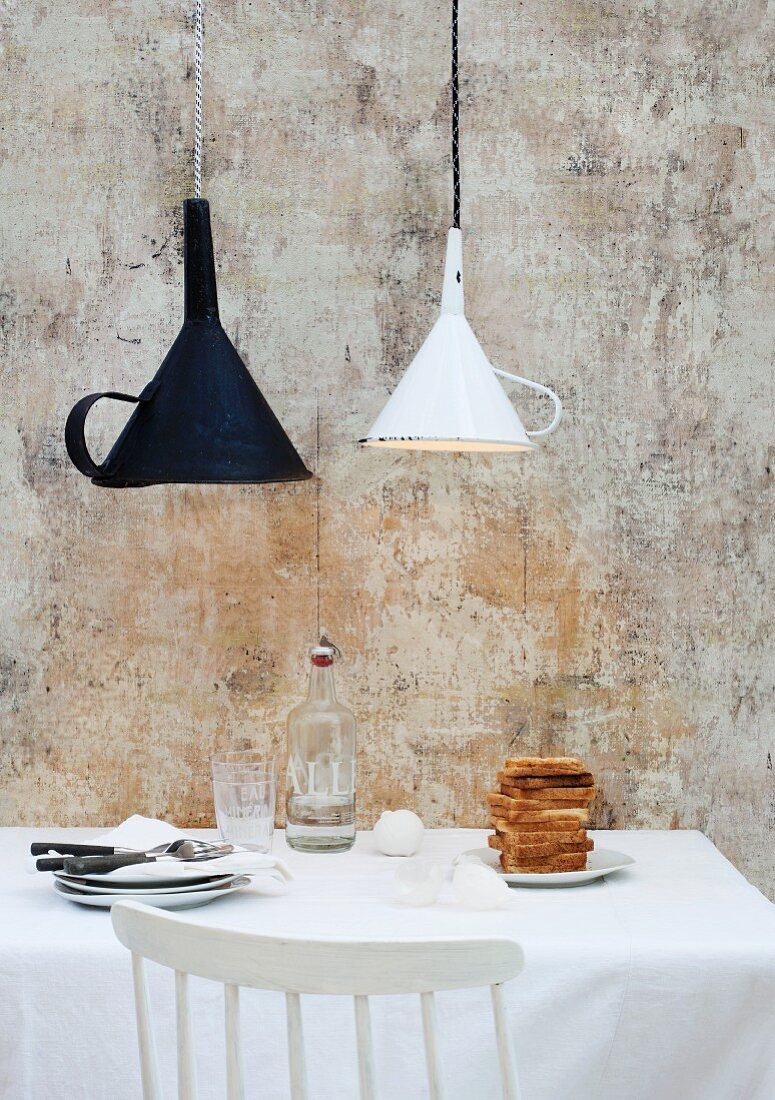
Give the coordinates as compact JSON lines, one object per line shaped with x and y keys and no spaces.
{"x":65,"y":848}
{"x":186,"y":851}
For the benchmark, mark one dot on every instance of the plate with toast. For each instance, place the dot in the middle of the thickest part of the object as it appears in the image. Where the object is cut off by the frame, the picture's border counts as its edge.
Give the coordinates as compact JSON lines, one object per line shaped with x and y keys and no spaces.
{"x":600,"y":862}
{"x":540,"y":812}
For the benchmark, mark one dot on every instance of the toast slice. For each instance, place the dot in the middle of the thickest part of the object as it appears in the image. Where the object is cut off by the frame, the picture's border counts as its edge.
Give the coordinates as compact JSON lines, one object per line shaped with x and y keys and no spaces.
{"x":548,"y":848}
{"x":580,"y":816}
{"x":506,"y":802}
{"x":512,"y":845}
{"x":549,"y":765}
{"x":537,"y":828}
{"x":556,"y":794}
{"x":583,"y":779}
{"x":544,"y":865}
{"x":517,"y":835}
{"x":523,"y":805}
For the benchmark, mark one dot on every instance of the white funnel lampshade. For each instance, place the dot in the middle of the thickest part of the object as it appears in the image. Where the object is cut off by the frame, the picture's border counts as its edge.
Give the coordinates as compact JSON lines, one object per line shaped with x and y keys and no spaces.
{"x":449,"y":399}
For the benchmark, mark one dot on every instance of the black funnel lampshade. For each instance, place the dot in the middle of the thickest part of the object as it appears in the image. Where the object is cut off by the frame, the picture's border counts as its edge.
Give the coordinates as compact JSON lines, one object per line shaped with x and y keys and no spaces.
{"x":202,"y":418}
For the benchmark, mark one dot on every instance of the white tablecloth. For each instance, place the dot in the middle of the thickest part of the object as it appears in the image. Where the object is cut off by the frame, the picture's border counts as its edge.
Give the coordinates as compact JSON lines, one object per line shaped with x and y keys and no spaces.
{"x":658,"y":983}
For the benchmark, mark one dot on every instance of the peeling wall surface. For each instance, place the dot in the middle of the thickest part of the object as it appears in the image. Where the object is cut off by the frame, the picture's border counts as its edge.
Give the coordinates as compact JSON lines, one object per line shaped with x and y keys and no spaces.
{"x":608,"y":596}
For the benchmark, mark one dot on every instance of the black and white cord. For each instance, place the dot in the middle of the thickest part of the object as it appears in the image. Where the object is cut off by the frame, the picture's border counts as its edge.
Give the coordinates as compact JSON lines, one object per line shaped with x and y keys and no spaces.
{"x":198,"y":51}
{"x":455,"y":123}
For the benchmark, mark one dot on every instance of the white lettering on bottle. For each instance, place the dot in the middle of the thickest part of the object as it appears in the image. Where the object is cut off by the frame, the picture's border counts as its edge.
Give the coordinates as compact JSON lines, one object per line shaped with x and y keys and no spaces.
{"x":337,"y":790}
{"x":305,"y":778}
{"x":293,"y":775}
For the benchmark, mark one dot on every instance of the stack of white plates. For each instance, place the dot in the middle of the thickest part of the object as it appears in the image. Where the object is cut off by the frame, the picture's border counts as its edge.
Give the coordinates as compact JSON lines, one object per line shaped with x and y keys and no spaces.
{"x":178,"y":891}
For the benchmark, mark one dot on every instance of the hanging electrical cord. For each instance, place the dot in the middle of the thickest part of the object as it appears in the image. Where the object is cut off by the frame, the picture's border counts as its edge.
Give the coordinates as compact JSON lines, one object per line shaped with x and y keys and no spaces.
{"x":198,"y":52}
{"x":455,"y":124}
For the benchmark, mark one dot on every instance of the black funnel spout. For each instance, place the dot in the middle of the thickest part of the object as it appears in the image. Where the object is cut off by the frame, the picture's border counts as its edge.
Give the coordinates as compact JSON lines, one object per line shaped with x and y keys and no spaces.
{"x":202,"y":418}
{"x":200,"y":289}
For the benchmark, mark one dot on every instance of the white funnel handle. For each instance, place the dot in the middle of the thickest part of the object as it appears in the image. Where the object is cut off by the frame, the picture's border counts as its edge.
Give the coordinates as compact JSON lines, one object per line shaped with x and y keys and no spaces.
{"x":539,"y":389}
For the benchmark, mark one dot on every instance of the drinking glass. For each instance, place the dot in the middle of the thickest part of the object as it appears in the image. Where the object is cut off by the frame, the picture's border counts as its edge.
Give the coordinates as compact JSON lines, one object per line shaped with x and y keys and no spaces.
{"x":244,"y":785}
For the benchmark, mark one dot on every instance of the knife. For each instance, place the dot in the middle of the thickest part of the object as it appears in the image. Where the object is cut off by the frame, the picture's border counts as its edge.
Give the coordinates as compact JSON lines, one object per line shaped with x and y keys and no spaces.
{"x":65,"y":848}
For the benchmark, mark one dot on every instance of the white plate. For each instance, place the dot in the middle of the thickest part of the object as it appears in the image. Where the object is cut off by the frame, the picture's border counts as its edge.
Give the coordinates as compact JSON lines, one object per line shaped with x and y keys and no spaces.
{"x":600,"y":862}
{"x":160,"y":901}
{"x":82,"y":886}
{"x":133,"y":876}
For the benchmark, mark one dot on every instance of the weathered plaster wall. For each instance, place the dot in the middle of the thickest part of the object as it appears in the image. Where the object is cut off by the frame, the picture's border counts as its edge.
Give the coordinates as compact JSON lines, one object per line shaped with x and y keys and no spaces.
{"x":608,"y":596}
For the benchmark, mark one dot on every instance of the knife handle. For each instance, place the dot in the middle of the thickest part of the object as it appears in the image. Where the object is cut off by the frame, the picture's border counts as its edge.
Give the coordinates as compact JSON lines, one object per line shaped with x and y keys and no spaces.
{"x":65,"y":848}
{"x":53,"y":863}
{"x":100,"y":865}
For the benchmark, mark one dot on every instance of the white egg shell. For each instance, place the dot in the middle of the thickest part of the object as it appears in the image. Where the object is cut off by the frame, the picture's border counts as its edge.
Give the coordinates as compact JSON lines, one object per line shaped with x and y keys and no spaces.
{"x":418,"y":882}
{"x":468,"y":857}
{"x":399,"y":833}
{"x":479,"y":887}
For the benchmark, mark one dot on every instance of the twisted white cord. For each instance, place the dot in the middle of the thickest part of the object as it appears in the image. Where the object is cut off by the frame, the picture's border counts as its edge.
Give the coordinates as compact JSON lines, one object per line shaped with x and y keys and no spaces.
{"x":198,"y":51}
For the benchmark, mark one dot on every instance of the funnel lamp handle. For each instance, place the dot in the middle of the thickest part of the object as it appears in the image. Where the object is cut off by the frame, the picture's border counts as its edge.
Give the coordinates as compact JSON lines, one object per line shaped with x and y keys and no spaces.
{"x":75,"y":438}
{"x":539,"y":389}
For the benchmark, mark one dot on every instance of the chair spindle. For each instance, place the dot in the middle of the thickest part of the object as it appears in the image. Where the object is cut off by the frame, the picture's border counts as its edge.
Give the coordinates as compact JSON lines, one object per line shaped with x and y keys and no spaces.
{"x":365,"y":1048}
{"x":430,"y":1033}
{"x":298,"y":1065}
{"x":505,"y":1050}
{"x":149,"y":1069}
{"x":235,"y":1079}
{"x":186,"y":1064}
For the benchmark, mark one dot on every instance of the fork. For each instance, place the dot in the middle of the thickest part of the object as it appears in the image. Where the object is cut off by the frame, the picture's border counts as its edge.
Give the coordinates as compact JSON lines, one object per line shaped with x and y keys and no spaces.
{"x":186,"y":851}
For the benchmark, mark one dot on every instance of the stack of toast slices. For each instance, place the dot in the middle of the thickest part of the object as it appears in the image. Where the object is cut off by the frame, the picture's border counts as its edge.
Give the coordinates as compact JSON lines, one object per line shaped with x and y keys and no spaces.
{"x":540,"y":813}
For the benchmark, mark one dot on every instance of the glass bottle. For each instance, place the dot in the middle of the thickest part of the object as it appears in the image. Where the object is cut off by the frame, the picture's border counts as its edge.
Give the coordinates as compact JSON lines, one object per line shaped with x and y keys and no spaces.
{"x":320,"y":802}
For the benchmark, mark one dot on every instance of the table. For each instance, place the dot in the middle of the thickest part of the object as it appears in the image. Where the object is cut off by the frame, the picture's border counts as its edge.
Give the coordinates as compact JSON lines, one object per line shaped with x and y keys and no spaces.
{"x":656,"y":983}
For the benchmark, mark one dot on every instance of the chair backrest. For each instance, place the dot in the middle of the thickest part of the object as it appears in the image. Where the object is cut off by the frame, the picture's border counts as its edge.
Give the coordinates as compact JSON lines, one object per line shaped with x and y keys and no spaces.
{"x":295,"y":966}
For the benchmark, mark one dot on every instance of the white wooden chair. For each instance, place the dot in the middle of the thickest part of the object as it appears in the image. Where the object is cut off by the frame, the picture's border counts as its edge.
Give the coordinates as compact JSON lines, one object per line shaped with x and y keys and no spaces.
{"x":357,"y":969}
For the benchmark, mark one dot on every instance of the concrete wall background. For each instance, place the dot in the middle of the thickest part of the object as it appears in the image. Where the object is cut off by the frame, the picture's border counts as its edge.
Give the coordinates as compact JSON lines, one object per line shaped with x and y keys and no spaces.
{"x":609,"y":596}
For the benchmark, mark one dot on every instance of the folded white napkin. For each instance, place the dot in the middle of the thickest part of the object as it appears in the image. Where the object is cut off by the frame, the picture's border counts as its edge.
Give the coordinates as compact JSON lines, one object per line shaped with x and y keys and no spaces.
{"x":235,"y":863}
{"x":142,"y":833}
